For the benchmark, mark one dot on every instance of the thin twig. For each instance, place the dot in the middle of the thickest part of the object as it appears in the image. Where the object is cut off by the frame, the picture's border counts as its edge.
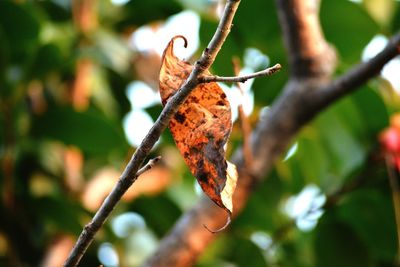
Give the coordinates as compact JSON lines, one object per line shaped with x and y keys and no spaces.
{"x":242,"y":79}
{"x":128,"y":176}
{"x":394,"y":179}
{"x":90,"y":229}
{"x":244,"y":120}
{"x":148,"y":166}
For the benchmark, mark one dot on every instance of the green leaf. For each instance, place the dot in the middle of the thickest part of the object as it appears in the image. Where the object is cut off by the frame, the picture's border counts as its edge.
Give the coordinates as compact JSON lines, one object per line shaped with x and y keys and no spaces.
{"x":350,"y":115}
{"x":263,"y":214}
{"x":233,"y":46}
{"x":337,"y":142}
{"x":62,"y":213}
{"x":54,"y":11}
{"x":312,"y":159}
{"x":370,"y":213}
{"x":258,"y":31}
{"x":154,"y":111}
{"x":336,"y":244}
{"x":297,"y":250}
{"x":4,"y":54}
{"x":345,"y":150}
{"x":264,"y":35}
{"x":328,"y":151}
{"x":116,"y":82}
{"x":396,"y":19}
{"x":138,"y":13}
{"x":160,"y":212}
{"x":266,"y":89}
{"x":348,"y":26}
{"x":110,"y":50}
{"x":20,"y":27}
{"x":381,"y":11}
{"x":48,"y":60}
{"x":246,"y":253}
{"x":90,"y":130}
{"x":2,"y":134}
{"x":372,"y":110}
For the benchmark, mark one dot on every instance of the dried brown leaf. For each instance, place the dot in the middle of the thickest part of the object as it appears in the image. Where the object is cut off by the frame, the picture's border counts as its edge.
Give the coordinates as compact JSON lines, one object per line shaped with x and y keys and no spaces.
{"x":200,"y":128}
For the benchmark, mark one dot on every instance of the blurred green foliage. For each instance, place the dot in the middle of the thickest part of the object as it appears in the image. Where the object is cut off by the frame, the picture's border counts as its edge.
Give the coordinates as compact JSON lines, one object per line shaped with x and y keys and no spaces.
{"x":55,"y":139}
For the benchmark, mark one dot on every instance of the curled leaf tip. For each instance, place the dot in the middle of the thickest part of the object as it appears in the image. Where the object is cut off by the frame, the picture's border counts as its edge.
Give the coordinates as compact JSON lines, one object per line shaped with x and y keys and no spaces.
{"x":168,"y":53}
{"x":182,"y":37}
{"x":228,"y":221}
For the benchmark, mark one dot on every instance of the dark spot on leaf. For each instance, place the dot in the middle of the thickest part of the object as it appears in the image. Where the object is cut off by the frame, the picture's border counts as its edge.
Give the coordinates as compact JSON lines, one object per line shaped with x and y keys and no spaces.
{"x":219,"y":143}
{"x":220,"y":103}
{"x":223,"y":95}
{"x":194,"y":99}
{"x":180,"y":117}
{"x":209,"y":136}
{"x":186,"y":154}
{"x":202,"y":176}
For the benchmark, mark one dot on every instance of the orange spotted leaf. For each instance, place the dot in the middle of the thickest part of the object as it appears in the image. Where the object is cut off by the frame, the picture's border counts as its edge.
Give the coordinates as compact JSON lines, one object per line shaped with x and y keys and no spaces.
{"x":201,"y":128}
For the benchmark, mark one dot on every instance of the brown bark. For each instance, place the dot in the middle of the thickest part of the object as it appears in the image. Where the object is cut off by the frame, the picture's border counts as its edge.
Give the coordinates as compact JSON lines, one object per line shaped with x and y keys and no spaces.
{"x":309,"y":53}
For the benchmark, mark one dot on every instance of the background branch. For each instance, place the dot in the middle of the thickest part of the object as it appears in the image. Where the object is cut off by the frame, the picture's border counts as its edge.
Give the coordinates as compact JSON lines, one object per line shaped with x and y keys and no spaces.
{"x":307,"y":93}
{"x":309,"y":53}
{"x":129,"y":174}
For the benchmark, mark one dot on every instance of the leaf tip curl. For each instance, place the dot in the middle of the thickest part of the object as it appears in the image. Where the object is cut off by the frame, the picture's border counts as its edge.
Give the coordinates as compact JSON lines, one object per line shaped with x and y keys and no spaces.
{"x":170,"y":46}
{"x":226,"y":195}
{"x":185,"y":44}
{"x":228,"y":222}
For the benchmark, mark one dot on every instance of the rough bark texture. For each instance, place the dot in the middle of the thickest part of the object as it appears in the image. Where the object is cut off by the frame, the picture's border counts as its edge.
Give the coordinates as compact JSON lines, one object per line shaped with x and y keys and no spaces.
{"x":308,"y":92}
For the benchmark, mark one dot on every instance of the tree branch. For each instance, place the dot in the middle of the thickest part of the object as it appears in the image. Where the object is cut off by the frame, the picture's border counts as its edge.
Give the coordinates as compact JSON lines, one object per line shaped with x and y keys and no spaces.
{"x":89,"y":231}
{"x":309,"y":53}
{"x":359,"y":74}
{"x":148,"y":166}
{"x":301,"y":100}
{"x":242,"y":79}
{"x":129,"y":174}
